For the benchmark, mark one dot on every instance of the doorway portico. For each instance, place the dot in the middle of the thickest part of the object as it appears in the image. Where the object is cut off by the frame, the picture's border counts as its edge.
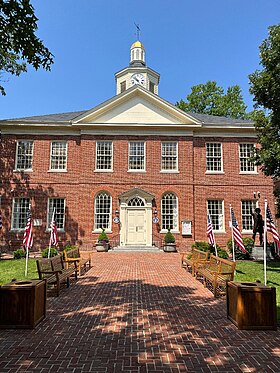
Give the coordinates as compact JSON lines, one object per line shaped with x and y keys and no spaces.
{"x":136,"y":218}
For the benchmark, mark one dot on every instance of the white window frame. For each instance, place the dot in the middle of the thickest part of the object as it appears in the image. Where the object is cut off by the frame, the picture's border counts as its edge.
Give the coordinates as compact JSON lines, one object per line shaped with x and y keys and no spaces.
{"x":66,"y":156}
{"x":49,"y":214}
{"x":96,"y":155}
{"x":252,"y":209}
{"x":109,"y":228}
{"x":176,"y":170}
{"x":220,"y":219}
{"x":221,"y":171}
{"x":176,"y":228}
{"x":16,"y":162}
{"x":17,"y":228}
{"x":254,"y":171}
{"x":129,"y":155}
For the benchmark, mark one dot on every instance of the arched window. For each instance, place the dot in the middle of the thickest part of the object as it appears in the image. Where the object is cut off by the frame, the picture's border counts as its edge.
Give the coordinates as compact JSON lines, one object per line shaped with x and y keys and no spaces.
{"x":169,"y":211}
{"x":102,"y":211}
{"x":136,"y":202}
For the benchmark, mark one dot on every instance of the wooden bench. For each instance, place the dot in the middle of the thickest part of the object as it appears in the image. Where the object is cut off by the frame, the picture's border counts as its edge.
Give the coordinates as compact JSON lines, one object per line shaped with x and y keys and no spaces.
{"x":216,"y":272}
{"x":52,"y":270}
{"x":198,"y":257}
{"x":74,"y":256}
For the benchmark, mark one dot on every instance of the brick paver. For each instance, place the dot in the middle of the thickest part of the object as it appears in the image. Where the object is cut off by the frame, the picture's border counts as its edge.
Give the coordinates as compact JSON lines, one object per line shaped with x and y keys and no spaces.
{"x":137,"y":313}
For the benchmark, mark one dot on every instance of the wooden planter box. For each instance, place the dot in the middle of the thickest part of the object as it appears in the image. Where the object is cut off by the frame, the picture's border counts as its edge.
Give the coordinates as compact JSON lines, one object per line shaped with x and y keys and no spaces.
{"x":251,"y":305}
{"x":22,"y":304}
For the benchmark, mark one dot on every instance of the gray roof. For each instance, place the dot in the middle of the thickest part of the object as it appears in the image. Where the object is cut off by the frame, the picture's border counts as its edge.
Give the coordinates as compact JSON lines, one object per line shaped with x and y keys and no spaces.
{"x":214,"y":119}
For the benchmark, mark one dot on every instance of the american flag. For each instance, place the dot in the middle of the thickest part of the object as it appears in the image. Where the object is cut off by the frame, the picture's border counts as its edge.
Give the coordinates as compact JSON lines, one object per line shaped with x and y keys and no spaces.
{"x":210,"y":233}
{"x":28,"y":237}
{"x":53,"y":239}
{"x":270,"y":226}
{"x":236,"y":232}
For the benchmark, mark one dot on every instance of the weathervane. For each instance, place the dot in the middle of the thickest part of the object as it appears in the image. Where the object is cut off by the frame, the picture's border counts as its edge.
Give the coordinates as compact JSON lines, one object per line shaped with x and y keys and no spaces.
{"x":137,"y":31}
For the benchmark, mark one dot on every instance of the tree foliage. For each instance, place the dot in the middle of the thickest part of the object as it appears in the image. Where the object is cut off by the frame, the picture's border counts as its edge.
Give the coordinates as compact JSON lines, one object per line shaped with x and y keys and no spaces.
{"x":18,"y":43}
{"x":211,"y":99}
{"x":265,"y":86}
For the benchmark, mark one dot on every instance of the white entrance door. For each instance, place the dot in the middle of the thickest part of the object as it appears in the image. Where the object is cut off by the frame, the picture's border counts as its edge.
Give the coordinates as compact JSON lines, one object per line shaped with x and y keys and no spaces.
{"x":136,"y":227}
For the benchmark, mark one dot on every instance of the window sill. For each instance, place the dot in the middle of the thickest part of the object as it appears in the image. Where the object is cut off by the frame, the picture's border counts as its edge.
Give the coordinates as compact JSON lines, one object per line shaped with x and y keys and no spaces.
{"x":25,"y":171}
{"x":219,"y":232}
{"x":171,"y":230}
{"x":58,"y":230}
{"x":248,"y":173}
{"x":214,"y":173}
{"x":137,"y":171}
{"x":100,"y":231}
{"x":108,"y":171}
{"x":169,"y":172}
{"x":57,"y":171}
{"x":16,"y":230}
{"x":247,"y":232}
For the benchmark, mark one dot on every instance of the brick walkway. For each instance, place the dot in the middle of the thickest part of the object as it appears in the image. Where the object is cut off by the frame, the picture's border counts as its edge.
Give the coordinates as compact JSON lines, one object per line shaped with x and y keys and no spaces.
{"x":137,"y":313}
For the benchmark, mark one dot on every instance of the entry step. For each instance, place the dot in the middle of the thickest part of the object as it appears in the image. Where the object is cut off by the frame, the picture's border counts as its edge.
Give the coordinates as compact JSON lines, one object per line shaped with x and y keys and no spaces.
{"x":143,"y":249}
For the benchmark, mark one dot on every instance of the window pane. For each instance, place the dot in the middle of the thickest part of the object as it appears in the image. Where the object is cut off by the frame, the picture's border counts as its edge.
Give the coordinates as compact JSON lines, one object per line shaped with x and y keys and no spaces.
{"x":213,"y":157}
{"x":104,"y":155}
{"x":245,"y":152}
{"x":58,"y":156}
{"x":102,"y":213}
{"x":169,"y":156}
{"x":24,"y":155}
{"x":215,"y":209}
{"x":247,"y":219}
{"x":59,"y":205}
{"x":20,"y":208}
{"x":136,"y":159}
{"x":169,"y":211}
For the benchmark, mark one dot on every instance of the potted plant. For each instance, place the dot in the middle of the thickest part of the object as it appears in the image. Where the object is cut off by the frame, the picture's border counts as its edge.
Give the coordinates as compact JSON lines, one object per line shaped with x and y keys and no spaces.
{"x":169,"y":242}
{"x":102,"y":241}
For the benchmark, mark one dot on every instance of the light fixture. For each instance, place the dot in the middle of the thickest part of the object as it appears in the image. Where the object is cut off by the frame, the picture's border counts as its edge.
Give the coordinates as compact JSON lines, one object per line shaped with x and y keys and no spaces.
{"x":117,"y":212}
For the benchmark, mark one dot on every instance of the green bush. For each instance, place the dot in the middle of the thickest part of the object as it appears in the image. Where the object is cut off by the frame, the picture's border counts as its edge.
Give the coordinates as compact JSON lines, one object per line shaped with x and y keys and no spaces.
{"x":103,"y":236}
{"x":169,"y":238}
{"x":19,"y":254}
{"x":69,"y":247}
{"x":239,"y":255}
{"x":204,"y":246}
{"x":53,"y":252}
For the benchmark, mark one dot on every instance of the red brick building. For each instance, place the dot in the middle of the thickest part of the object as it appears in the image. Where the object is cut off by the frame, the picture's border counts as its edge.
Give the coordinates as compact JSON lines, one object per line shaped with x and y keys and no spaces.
{"x":135,"y":165}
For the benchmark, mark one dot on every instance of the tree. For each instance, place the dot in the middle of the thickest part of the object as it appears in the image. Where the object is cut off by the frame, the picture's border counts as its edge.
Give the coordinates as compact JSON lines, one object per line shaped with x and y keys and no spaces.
{"x":18,"y":43}
{"x":210,"y":99}
{"x":265,"y":86}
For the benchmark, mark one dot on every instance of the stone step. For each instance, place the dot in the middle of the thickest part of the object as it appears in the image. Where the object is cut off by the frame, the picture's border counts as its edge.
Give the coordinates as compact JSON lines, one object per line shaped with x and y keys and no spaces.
{"x":144,"y":249}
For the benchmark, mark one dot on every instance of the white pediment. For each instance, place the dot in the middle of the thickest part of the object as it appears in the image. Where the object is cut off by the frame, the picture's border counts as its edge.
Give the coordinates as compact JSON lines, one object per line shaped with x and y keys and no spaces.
{"x":136,"y":107}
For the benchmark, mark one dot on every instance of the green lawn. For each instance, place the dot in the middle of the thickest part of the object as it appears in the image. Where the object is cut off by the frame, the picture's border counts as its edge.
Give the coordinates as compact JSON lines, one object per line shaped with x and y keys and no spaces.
{"x":245,"y":271}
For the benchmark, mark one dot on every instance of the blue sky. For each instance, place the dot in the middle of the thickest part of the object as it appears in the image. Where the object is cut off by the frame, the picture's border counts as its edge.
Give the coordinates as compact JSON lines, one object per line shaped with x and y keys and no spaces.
{"x":187,"y":41}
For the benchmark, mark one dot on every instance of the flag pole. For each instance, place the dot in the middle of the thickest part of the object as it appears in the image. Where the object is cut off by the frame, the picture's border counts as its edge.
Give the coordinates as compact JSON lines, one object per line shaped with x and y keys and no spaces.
{"x":50,"y":242}
{"x":232,"y":239}
{"x":27,"y":251}
{"x":265,"y":240}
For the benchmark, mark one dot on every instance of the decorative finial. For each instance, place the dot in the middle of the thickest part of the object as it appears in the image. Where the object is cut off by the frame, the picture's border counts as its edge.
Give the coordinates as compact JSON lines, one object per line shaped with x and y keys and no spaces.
{"x":137,"y":31}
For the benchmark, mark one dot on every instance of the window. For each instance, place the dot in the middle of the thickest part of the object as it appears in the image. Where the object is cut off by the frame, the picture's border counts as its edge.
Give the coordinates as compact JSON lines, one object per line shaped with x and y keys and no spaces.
{"x":19,"y":215}
{"x":59,"y":205}
{"x":247,"y":220}
{"x":136,"y":202}
{"x":245,"y":152}
{"x":104,"y":155}
{"x":152,"y":87}
{"x":215,"y":209}
{"x":169,"y":158}
{"x":58,"y":155}
{"x":136,"y":156}
{"x":123,"y":86}
{"x":102,"y":211}
{"x":214,"y":157}
{"x":169,"y":211}
{"x":24,"y":155}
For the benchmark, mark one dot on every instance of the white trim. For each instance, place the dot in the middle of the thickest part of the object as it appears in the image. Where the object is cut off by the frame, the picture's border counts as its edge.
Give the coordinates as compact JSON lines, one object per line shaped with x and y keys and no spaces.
{"x":99,"y":230}
{"x":177,"y":156}
{"x":128,"y":155}
{"x":255,"y":166}
{"x":50,"y":159}
{"x":222,"y":162}
{"x":112,"y":156}
{"x":16,"y":160}
{"x":64,"y":214}
{"x":223,"y":214}
{"x":177,"y":217}
{"x":214,"y":172}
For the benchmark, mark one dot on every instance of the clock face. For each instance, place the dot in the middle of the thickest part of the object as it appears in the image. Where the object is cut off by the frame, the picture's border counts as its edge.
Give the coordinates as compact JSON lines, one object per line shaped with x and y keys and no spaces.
{"x":137,"y":79}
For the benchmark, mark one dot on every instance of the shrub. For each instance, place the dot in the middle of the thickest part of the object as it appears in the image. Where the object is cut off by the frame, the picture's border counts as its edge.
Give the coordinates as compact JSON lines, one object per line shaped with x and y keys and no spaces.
{"x":103,"y":236}
{"x":169,"y":238}
{"x":53,"y":252}
{"x":69,"y":247}
{"x":204,"y":246}
{"x":19,"y":254}
{"x":239,"y":255}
